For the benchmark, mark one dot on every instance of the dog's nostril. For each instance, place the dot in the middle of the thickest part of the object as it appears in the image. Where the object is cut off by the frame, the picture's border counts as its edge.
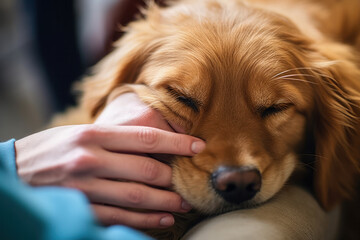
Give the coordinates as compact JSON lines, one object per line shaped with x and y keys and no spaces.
{"x":236,"y":184}
{"x":231,"y":187}
{"x":251,"y":187}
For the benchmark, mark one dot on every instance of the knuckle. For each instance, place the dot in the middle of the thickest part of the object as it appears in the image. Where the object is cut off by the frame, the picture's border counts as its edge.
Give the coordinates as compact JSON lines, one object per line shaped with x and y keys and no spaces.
{"x":150,"y":170}
{"x":115,"y":219}
{"x":135,"y":196}
{"x":69,"y":184}
{"x":148,"y":137}
{"x":149,"y":114}
{"x":173,"y":203}
{"x":74,"y":184}
{"x":83,"y":161}
{"x":86,"y":133}
{"x":178,"y":143}
{"x":146,"y":117}
{"x":148,"y":221}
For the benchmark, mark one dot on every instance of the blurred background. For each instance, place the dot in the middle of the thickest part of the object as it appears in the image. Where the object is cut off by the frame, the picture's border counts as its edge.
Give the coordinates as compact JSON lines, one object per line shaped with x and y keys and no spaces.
{"x":45,"y":46}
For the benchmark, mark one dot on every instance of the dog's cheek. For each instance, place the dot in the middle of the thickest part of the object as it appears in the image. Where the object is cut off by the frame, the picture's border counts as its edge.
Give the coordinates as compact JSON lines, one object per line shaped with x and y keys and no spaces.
{"x":276,"y":176}
{"x":193,"y":184}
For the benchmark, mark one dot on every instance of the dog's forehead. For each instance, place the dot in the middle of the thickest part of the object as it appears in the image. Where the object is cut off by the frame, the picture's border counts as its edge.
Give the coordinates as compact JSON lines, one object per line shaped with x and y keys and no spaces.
{"x":227,"y":51}
{"x":220,"y":65}
{"x":226,"y":54}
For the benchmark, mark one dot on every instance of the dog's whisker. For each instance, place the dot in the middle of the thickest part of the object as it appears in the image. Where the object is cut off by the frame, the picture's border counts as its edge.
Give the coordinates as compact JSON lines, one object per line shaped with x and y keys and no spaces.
{"x":298,"y":79}
{"x":348,"y":94}
{"x":312,"y":155}
{"x":316,"y":74}
{"x":278,"y":74}
{"x":293,"y":69}
{"x":307,"y":165}
{"x":297,"y":74}
{"x":313,"y":70}
{"x":286,"y":71}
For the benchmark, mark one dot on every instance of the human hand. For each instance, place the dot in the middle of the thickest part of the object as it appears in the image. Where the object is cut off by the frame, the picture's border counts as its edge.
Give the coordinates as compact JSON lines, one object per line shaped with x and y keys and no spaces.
{"x":128,"y":110}
{"x":106,"y":163}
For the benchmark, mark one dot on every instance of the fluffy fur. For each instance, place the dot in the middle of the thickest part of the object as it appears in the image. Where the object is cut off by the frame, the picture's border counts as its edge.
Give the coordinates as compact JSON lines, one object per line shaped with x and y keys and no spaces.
{"x":269,"y":84}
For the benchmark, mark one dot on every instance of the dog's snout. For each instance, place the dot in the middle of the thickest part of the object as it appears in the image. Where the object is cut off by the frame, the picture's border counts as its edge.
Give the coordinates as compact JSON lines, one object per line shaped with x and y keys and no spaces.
{"x":236,"y":184}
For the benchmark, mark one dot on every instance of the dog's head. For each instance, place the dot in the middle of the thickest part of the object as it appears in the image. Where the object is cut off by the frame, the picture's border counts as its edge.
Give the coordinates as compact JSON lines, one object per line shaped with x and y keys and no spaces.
{"x":262,"y":95}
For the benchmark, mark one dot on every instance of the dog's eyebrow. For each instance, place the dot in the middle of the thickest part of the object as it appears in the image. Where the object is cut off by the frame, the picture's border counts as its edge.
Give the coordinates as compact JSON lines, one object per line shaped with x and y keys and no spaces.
{"x":183,"y":98}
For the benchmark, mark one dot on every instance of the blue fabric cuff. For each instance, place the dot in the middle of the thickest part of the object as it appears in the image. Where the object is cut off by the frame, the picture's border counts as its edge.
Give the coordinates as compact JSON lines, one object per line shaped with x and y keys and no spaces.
{"x":7,"y":157}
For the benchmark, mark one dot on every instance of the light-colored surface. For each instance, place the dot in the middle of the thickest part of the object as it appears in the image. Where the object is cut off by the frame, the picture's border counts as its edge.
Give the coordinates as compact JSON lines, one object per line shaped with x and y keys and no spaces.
{"x":293,"y":214}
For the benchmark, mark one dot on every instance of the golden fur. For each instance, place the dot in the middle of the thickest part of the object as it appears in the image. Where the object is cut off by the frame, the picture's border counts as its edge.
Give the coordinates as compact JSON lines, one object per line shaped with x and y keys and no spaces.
{"x":270,"y":84}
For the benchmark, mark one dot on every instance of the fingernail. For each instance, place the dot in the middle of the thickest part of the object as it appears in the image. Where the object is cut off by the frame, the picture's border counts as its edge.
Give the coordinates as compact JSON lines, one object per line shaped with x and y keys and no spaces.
{"x":167,"y":221}
{"x":185,"y":206}
{"x":197,"y":146}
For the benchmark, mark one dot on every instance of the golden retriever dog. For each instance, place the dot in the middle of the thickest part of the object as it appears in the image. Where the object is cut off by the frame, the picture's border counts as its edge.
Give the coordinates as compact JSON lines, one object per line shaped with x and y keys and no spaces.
{"x":273,"y":87}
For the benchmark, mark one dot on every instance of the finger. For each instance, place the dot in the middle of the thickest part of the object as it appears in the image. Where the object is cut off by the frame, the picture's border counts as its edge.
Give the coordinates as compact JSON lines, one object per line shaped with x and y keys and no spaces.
{"x":134,"y":168}
{"x":148,"y":140}
{"x":133,"y":195}
{"x":109,"y":215}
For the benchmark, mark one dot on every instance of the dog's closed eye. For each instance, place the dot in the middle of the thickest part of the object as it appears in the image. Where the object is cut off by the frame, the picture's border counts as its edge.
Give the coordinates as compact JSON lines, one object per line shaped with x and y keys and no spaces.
{"x":273,"y":109}
{"x":186,"y":100}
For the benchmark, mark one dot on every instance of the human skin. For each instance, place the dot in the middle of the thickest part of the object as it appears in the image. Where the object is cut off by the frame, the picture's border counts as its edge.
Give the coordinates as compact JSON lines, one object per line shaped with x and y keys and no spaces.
{"x":108,"y":162}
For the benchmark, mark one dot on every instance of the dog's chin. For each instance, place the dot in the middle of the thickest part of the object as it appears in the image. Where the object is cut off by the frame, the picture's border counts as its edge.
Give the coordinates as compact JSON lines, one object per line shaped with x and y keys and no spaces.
{"x":227,"y":207}
{"x":215,"y":205}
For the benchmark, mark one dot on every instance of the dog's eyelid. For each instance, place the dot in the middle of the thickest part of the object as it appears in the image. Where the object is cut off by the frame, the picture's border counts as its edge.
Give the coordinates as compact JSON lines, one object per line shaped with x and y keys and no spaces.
{"x":177,"y":92}
{"x":184,"y":98}
{"x":273,"y":109}
{"x":282,"y":101}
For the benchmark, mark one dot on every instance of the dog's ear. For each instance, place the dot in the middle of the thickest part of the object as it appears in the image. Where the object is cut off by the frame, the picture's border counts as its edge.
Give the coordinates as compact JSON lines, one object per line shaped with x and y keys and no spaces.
{"x":124,"y":63}
{"x":336,"y":124}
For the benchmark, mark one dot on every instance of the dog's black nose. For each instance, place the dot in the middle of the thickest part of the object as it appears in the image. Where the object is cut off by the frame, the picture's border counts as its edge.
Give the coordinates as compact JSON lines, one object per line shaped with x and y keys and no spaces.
{"x":236,"y":184}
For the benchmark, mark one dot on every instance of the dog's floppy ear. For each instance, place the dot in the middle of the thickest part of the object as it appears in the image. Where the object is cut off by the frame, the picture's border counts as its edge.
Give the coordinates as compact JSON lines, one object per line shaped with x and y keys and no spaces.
{"x":337,"y":125}
{"x":124,"y":63}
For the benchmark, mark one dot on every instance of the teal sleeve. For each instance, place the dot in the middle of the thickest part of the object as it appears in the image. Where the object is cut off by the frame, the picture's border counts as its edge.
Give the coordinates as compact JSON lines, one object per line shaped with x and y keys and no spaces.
{"x":7,"y":157}
{"x":48,"y":213}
